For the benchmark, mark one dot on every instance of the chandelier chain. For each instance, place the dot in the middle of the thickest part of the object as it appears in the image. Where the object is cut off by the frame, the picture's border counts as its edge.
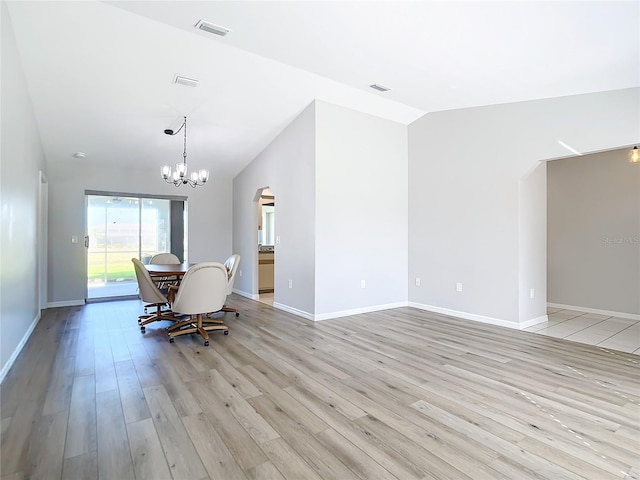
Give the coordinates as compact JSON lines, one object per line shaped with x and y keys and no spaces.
{"x":184,"y":154}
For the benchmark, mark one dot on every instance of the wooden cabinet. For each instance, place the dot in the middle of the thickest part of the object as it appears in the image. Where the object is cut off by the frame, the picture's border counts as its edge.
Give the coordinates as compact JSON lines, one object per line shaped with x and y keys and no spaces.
{"x":265,"y":272}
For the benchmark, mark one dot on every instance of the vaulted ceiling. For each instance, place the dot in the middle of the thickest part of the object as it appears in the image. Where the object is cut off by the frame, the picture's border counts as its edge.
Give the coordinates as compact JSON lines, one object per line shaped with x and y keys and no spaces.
{"x":101,"y":74}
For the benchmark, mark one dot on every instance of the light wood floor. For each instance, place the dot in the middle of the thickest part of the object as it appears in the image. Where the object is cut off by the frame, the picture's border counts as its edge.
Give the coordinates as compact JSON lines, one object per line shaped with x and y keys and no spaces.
{"x":398,"y":394}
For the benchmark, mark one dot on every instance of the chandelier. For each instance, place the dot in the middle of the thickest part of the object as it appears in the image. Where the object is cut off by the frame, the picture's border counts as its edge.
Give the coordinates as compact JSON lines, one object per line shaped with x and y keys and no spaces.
{"x":179,"y":176}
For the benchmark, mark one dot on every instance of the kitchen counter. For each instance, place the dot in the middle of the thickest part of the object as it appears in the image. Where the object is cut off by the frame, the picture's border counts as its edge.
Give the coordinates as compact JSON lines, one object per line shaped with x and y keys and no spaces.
{"x":265,"y":271}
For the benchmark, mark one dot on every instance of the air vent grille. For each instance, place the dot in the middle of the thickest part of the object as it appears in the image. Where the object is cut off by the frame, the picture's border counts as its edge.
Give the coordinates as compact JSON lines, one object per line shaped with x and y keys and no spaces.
{"x":189,"y":82}
{"x":379,"y":87}
{"x":211,"y":28}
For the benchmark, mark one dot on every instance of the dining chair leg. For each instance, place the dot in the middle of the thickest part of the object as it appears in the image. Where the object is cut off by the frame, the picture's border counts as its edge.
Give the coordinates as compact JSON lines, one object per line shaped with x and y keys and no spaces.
{"x":196,"y":324}
{"x":202,"y":331}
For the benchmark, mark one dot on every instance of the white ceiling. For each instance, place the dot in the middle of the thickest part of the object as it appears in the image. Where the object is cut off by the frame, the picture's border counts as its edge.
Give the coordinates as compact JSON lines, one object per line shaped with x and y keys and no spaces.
{"x":100,"y":73}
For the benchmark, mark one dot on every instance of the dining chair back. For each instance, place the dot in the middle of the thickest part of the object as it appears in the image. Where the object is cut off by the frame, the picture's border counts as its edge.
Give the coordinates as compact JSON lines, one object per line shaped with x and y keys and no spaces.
{"x":203,"y":289}
{"x":231,"y":265}
{"x":150,"y":294}
{"x":164,"y":259}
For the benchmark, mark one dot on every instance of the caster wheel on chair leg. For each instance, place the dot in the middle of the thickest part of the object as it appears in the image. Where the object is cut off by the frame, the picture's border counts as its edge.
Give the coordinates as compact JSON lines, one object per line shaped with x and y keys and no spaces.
{"x":206,"y":343}
{"x":237,"y":314}
{"x":142,"y":329}
{"x":226,"y":332}
{"x":171,"y":339}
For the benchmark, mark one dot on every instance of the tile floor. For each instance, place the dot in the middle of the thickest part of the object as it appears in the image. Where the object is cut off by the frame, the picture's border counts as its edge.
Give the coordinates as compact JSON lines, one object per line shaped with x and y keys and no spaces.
{"x":608,"y":332}
{"x":266,"y":298}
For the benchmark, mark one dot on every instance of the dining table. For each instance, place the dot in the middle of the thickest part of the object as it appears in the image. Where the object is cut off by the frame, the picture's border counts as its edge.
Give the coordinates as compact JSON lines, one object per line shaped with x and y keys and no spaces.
{"x":164,"y":270}
{"x":165,"y":275}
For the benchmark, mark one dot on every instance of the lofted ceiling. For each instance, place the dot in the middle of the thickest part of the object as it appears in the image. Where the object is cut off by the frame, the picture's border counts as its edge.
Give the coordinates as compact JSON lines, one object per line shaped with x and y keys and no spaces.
{"x":100,"y":74}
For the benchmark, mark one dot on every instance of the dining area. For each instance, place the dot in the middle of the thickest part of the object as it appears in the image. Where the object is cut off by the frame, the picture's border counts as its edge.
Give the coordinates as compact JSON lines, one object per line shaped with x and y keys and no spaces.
{"x":192,"y":296}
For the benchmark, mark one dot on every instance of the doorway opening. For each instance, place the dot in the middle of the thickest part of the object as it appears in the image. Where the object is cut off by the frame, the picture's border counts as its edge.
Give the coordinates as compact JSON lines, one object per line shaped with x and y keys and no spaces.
{"x":267,"y":241}
{"x":121,"y":227}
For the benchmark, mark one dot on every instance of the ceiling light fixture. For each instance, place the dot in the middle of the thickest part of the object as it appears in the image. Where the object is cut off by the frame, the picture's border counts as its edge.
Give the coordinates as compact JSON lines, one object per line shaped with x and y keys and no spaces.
{"x":634,"y":155}
{"x":179,"y":176}
{"x":80,"y":155}
{"x":211,"y":28}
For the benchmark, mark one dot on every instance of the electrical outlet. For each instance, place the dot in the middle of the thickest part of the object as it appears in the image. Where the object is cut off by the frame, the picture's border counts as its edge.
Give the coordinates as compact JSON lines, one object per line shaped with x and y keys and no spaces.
{"x":417,"y":281}
{"x":459,"y":287}
{"x":290,"y":283}
{"x":363,"y":284}
{"x":532,"y":294}
{"x":240,"y":272}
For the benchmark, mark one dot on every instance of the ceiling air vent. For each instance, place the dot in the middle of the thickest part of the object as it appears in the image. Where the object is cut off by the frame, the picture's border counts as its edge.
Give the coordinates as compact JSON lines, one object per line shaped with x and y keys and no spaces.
{"x":379,"y":87}
{"x":189,"y":82}
{"x":211,"y":28}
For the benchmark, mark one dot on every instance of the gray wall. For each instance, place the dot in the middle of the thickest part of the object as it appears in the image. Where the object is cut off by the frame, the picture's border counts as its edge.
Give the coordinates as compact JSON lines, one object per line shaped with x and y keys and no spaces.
{"x":21,"y":160}
{"x":361,"y":211}
{"x":465,"y":170}
{"x":532,"y":245}
{"x":287,"y":166}
{"x":594,"y":232}
{"x":340,"y":181}
{"x":209,"y":218}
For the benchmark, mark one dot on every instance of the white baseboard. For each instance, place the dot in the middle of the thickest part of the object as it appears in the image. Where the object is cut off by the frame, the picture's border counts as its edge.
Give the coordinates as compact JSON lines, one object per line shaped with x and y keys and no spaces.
{"x":252,"y":296}
{"x":466,"y":315}
{"x":533,"y":321}
{"x":630,"y":316}
{"x":7,"y":366}
{"x":67,"y":303}
{"x":295,"y":311}
{"x":358,"y":311}
{"x":339,"y":314}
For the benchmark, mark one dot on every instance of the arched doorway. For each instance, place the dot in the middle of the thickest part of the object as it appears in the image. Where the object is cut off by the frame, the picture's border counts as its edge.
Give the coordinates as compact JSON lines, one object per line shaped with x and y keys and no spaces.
{"x":266,"y":245}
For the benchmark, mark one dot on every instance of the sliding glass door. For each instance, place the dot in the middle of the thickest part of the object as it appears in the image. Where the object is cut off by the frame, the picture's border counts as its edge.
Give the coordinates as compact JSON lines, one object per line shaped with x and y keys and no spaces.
{"x":118,"y":229}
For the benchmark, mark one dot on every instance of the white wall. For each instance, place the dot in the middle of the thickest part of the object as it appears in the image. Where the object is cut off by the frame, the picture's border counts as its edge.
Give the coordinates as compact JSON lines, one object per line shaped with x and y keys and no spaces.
{"x":465,"y":167}
{"x":594,"y":232}
{"x":209,"y":218}
{"x":287,"y":166}
{"x":361,"y":211}
{"x":21,"y":159}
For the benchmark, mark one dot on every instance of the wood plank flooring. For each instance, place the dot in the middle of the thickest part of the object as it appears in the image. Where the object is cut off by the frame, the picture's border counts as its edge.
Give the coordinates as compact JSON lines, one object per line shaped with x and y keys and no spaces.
{"x":399,"y":394}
